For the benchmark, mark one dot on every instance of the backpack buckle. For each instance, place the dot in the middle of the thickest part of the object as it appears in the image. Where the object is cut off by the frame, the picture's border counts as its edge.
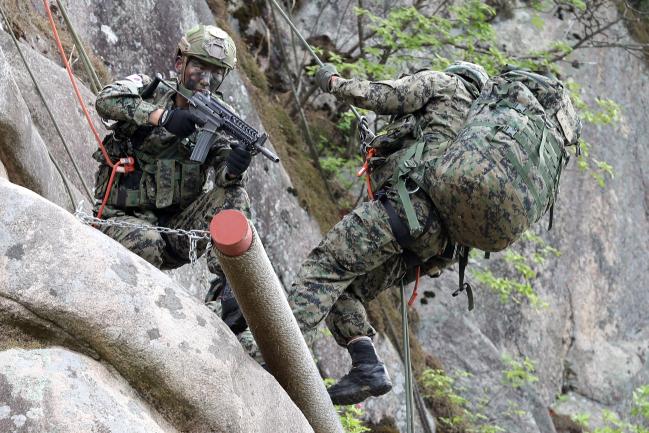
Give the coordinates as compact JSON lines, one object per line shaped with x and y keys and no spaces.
{"x":509,"y":130}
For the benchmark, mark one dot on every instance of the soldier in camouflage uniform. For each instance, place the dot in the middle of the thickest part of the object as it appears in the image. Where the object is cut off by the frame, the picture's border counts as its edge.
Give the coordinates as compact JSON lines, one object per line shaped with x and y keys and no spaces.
{"x":155,"y":127}
{"x":371,"y":248}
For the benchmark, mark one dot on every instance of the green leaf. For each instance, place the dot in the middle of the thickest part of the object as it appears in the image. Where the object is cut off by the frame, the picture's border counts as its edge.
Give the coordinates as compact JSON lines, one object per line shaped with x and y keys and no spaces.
{"x":538,"y":22}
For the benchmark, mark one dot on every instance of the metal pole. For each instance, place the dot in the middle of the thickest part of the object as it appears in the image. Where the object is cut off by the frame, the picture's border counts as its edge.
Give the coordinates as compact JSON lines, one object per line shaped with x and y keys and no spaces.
{"x":95,"y":84}
{"x":263,"y":303}
{"x":407,"y":362}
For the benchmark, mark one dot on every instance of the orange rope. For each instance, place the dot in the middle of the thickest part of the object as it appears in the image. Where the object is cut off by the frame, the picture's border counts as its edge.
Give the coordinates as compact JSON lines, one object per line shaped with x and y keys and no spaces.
{"x":74,"y":84}
{"x":365,"y":169}
{"x":124,"y":165}
{"x":414,"y":290}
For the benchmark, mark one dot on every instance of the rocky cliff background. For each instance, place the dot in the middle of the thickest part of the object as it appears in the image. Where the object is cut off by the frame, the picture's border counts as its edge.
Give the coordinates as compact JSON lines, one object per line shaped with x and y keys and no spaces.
{"x":57,"y":317}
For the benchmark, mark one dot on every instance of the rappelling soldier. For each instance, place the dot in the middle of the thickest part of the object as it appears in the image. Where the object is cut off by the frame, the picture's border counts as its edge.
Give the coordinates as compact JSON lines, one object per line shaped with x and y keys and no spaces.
{"x":466,"y":161}
{"x":364,"y":253}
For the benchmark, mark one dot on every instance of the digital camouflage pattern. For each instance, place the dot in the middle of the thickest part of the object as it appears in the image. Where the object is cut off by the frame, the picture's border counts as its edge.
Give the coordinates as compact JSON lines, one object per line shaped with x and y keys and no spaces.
{"x":355,"y":261}
{"x":502,"y":172}
{"x":360,"y":257}
{"x":170,"y":251}
{"x":166,"y":188}
{"x":428,"y":104}
{"x":209,"y":44}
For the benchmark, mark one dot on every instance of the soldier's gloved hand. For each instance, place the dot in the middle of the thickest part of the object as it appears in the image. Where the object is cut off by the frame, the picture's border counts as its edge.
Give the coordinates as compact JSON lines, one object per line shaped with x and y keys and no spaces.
{"x":324,"y":74}
{"x":238,"y":160}
{"x":179,"y":122}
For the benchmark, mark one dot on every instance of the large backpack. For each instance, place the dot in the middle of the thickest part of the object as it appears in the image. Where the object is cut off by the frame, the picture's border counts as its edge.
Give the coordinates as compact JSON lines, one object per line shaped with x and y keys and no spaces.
{"x":501,"y":174}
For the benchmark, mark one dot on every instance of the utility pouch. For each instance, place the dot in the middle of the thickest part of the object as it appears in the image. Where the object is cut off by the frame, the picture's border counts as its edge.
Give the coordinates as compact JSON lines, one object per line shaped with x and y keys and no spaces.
{"x":190,"y":182}
{"x":165,"y":180}
{"x":176,"y":183}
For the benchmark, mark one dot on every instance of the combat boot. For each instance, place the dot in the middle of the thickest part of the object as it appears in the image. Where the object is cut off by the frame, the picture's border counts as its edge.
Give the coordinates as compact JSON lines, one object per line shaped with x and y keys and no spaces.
{"x":368,"y":376}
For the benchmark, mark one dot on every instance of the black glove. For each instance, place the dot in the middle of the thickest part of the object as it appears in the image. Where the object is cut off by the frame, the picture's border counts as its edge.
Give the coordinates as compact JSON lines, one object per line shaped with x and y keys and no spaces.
{"x":231,"y":313}
{"x":324,"y":74}
{"x":238,"y":160}
{"x":180,"y":122}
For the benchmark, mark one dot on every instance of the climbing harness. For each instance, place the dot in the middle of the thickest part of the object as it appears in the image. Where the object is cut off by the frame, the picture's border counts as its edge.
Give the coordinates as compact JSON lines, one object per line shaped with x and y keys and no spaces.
{"x":407,"y":367}
{"x":194,"y":236}
{"x":124,"y":165}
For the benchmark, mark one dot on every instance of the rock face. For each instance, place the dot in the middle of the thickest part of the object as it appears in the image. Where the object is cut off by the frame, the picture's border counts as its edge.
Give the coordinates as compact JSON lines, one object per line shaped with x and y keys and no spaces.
{"x":228,"y":392}
{"x":590,"y":343}
{"x":22,"y":149}
{"x":55,"y":85}
{"x":58,"y":390}
{"x":117,"y":308}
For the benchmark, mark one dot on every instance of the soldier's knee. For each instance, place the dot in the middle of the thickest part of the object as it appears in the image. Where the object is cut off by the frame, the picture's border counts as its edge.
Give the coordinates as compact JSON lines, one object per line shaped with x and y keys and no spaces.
{"x":307,"y":315}
{"x":150,"y":246}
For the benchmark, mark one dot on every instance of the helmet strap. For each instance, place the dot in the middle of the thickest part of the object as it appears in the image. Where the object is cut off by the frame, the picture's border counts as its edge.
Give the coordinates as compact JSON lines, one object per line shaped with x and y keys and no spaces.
{"x":184,"y":91}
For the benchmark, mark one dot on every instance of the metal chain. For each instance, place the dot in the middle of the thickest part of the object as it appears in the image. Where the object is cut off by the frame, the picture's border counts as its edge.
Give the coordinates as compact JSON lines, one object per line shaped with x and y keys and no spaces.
{"x":193,"y":235}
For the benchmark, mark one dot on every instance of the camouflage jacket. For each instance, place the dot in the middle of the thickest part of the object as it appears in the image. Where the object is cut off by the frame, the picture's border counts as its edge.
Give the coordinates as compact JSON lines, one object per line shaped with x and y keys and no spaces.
{"x":153,"y":147}
{"x":428,"y":104}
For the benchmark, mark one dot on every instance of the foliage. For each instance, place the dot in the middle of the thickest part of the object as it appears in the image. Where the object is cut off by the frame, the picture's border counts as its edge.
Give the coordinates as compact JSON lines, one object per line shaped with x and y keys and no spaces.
{"x":350,"y":416}
{"x":518,"y":288}
{"x":519,"y":373}
{"x":410,"y":38}
{"x":612,"y":423}
{"x":606,"y":112}
{"x":471,"y":418}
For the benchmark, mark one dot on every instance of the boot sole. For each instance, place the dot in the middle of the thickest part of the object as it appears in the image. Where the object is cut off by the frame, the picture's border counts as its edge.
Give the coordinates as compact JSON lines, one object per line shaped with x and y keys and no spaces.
{"x":362,"y":395}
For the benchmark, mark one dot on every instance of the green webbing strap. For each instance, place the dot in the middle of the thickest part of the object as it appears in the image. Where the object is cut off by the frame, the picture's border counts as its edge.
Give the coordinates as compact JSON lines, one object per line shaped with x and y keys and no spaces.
{"x":407,"y":367}
{"x":523,"y":172}
{"x":95,"y":84}
{"x":409,"y":161}
{"x":543,"y":164}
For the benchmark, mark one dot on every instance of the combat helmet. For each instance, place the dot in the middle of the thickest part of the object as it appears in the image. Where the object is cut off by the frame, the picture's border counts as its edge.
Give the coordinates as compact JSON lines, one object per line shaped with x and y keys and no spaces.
{"x":473,"y":73}
{"x":210,"y":45}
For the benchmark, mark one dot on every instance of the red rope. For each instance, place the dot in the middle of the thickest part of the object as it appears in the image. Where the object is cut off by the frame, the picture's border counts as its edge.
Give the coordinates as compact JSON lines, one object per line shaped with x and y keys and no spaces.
{"x":365,"y":169}
{"x":414,"y":290}
{"x":124,"y":165}
{"x":74,"y":84}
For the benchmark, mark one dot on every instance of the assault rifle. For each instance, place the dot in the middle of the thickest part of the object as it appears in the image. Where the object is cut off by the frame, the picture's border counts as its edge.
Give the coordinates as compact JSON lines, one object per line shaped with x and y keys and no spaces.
{"x":217,"y":116}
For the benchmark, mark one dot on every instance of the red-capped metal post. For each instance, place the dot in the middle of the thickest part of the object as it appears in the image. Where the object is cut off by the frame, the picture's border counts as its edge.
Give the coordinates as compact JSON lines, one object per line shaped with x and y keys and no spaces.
{"x":262,"y":300}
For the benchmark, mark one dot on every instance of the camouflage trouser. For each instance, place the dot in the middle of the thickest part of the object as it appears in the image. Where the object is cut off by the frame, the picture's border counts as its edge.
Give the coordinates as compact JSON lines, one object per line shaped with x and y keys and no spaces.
{"x":355,"y":261}
{"x":166,"y":251}
{"x":170,"y":251}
